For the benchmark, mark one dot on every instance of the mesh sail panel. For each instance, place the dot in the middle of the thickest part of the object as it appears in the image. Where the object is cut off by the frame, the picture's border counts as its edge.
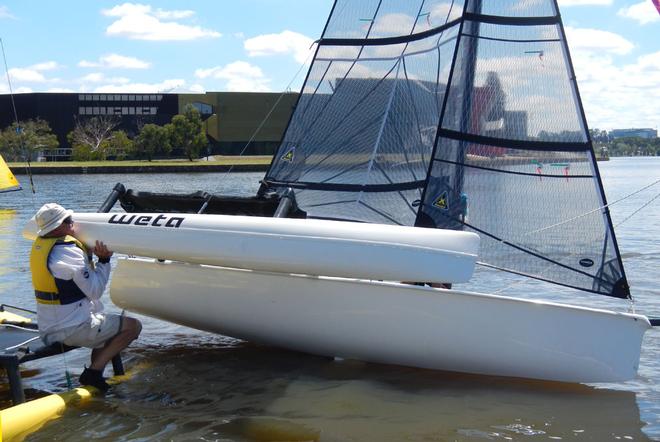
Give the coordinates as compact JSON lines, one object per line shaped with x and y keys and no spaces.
{"x":521,"y":86}
{"x":360,"y":141}
{"x":537,"y":212}
{"x":513,"y":161}
{"x":458,"y":116}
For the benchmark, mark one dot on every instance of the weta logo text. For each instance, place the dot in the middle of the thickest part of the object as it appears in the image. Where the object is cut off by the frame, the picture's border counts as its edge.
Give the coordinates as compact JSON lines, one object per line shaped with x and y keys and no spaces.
{"x":147,"y":220}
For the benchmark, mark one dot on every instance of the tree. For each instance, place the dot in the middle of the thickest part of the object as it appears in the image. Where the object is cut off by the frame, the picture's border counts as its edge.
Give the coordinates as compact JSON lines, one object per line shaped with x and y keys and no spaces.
{"x":118,"y":145}
{"x":186,"y":131}
{"x":93,"y":133}
{"x":152,"y":139}
{"x":21,"y":142}
{"x":598,"y":136}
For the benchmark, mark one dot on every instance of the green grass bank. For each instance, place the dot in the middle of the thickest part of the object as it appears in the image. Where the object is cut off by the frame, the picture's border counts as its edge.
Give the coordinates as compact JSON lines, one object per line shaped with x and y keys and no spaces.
{"x":214,"y":164}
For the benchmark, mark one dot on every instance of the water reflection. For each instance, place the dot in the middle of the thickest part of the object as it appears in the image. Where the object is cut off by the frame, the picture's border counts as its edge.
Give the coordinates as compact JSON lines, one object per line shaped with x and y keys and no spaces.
{"x":240,"y":392}
{"x":6,"y":221}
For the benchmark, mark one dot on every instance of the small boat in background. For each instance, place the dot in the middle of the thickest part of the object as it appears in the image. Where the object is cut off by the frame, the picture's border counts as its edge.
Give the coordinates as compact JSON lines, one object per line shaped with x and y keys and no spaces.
{"x":8,"y":181}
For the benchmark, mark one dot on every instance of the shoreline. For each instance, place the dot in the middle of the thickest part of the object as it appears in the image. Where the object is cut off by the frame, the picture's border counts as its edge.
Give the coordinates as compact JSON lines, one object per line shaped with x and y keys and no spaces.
{"x":219,"y":164}
{"x":246,"y":164}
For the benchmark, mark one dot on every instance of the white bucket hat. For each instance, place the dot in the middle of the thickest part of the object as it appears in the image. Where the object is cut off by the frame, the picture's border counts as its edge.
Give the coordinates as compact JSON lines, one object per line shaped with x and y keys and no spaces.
{"x":50,"y":216}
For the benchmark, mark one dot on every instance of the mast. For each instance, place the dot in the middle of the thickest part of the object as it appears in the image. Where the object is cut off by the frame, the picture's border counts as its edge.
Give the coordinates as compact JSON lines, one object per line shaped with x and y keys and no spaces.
{"x":472,"y":28}
{"x":467,"y":78}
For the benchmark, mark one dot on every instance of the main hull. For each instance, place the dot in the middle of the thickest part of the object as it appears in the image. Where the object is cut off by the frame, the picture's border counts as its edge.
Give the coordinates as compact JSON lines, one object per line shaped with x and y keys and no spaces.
{"x":388,"y":322}
{"x":312,"y":247}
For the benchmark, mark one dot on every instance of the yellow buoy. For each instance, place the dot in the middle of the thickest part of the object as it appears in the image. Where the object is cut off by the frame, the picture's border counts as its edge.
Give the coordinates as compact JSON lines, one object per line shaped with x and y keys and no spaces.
{"x":23,"y":419}
{"x":19,"y":421}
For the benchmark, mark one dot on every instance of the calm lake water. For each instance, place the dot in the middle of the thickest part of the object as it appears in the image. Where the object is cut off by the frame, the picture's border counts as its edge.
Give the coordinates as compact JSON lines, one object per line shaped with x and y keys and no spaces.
{"x":191,"y":385}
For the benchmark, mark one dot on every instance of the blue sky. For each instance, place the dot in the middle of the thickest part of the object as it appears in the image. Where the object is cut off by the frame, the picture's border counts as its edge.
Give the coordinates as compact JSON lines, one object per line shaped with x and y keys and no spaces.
{"x":259,"y":45}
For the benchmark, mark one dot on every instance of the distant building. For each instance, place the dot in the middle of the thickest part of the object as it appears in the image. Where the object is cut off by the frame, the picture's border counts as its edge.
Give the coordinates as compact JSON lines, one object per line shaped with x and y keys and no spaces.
{"x":641,"y":133}
{"x":231,"y":119}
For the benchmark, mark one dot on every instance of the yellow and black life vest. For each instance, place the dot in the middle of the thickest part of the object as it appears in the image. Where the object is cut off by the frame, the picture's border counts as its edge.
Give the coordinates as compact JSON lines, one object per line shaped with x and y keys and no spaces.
{"x":47,"y":288}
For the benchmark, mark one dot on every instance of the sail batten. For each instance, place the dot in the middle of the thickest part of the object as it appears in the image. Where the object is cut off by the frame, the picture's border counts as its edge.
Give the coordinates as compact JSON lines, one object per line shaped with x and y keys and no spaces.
{"x":386,"y":40}
{"x":455,"y":115}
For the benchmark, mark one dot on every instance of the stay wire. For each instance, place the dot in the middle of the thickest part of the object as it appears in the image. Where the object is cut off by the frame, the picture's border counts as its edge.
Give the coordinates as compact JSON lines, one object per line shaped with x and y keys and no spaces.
{"x":600,"y":209}
{"x":272,"y":109}
{"x":29,"y":172}
{"x":18,"y":125}
{"x":639,"y":209}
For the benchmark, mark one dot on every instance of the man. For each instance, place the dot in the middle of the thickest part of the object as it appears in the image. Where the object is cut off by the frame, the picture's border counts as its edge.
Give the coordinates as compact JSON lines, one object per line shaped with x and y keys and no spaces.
{"x":68,"y":287}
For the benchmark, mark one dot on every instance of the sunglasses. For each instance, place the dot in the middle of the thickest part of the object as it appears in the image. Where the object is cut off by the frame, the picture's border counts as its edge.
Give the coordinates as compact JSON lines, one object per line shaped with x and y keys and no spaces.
{"x":68,"y":220}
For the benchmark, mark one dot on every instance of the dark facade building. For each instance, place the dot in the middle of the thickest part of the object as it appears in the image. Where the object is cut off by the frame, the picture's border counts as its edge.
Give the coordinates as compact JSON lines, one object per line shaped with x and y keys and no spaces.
{"x":231,"y":119}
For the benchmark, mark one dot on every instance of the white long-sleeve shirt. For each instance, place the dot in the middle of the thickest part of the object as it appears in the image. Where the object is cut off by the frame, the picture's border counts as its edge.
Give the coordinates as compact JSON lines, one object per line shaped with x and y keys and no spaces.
{"x":69,"y":262}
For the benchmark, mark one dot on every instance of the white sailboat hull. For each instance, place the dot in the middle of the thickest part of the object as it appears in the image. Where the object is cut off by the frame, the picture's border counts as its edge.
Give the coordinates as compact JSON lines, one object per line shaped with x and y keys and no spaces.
{"x":388,"y":322}
{"x":313,"y":247}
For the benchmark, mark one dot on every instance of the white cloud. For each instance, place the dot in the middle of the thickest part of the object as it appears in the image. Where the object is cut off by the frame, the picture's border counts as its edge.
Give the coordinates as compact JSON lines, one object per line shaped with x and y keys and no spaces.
{"x":60,"y":90}
{"x":98,"y":77}
{"x":443,"y":12}
{"x":160,"y":13}
{"x":93,"y":78}
{"x":4,"y":89}
{"x":127,"y":9}
{"x":597,"y":40}
{"x":619,"y":95}
{"x":27,"y":75}
{"x":392,"y":24}
{"x":115,"y":61}
{"x":585,"y":2}
{"x":140,"y":22}
{"x":643,"y":12}
{"x":197,"y":88}
{"x":286,"y":42}
{"x":33,"y":73}
{"x":240,"y":75}
{"x":173,"y":85}
{"x":45,"y":66}
{"x":4,"y":13}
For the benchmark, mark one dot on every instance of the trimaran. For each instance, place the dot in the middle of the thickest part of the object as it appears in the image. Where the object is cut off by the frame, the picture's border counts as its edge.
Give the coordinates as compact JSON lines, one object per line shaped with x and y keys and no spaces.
{"x":461,"y":116}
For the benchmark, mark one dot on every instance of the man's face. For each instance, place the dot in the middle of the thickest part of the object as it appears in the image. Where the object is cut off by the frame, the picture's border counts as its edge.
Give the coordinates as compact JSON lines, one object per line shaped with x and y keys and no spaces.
{"x":70,"y":226}
{"x":66,"y":228}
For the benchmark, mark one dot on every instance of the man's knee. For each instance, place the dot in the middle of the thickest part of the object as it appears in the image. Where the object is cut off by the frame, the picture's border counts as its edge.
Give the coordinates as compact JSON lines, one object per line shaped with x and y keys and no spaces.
{"x":133,"y":326}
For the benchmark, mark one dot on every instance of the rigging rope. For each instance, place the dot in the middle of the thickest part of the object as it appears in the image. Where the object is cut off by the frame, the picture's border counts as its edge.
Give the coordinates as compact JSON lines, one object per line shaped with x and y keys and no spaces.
{"x":632,"y":305}
{"x":635,"y":212}
{"x":29,"y":173}
{"x":18,"y":126}
{"x":601,"y":208}
{"x":272,"y":109}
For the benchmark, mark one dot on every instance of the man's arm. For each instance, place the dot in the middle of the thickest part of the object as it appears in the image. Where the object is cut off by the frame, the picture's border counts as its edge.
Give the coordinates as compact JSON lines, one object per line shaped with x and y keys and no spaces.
{"x":68,"y":262}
